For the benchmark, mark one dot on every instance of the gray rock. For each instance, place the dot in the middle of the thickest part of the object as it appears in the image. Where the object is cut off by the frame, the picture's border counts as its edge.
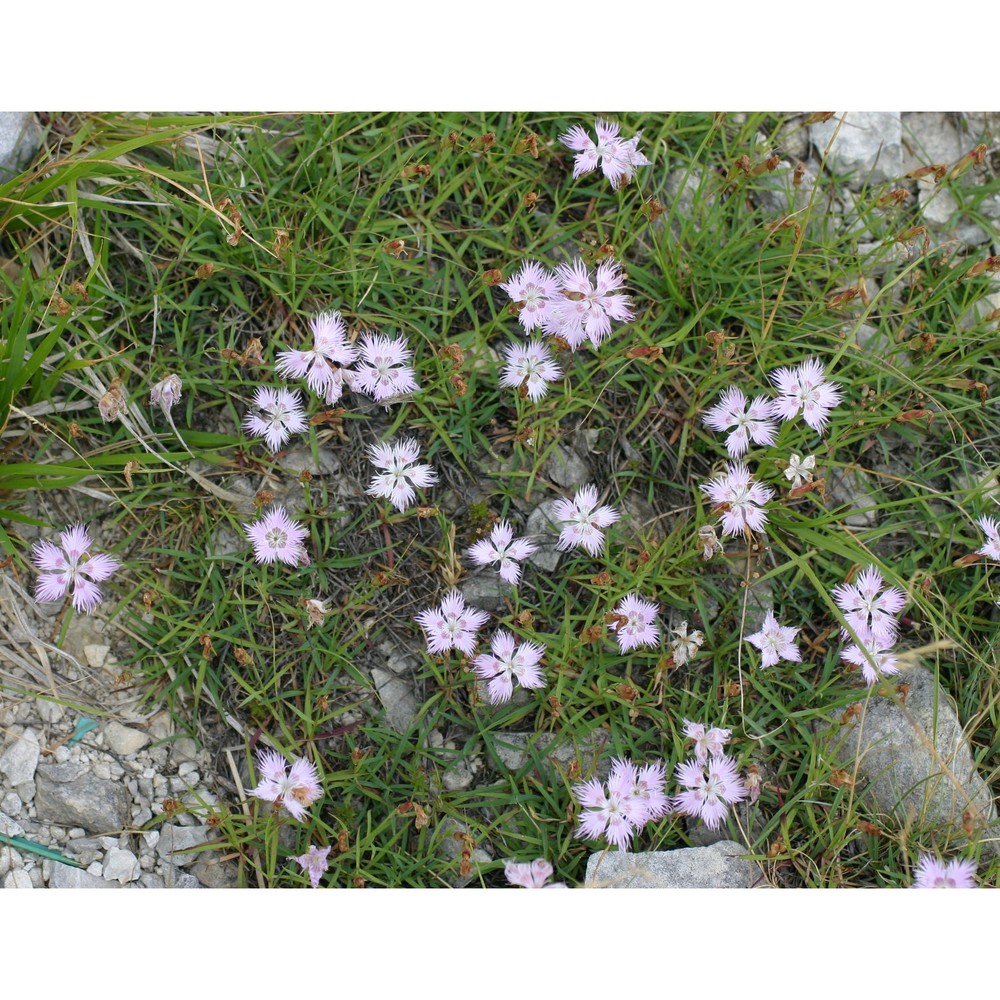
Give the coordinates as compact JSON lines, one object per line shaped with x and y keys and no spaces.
{"x":150,"y":880}
{"x":931,"y":137}
{"x":515,"y":750}
{"x":124,"y":741}
{"x":50,"y":711}
{"x":849,"y":487}
{"x":460,"y":775}
{"x":300,"y":460}
{"x":19,"y":879}
{"x":186,"y":881}
{"x":399,"y":661}
{"x":869,"y":145}
{"x":64,"y":877}
{"x":69,"y":794}
{"x":776,"y":192}
{"x":720,"y":866}
{"x":175,"y":838}
{"x":214,"y":873}
{"x":915,"y":760}
{"x":20,"y":759}
{"x":183,"y":749}
{"x":449,"y":833}
{"x":11,"y":805}
{"x":20,"y":136}
{"x":26,"y":791}
{"x":486,"y":591}
{"x":566,"y":468}
{"x":121,"y":866}
{"x":397,"y":697}
{"x":543,"y":529}
{"x":941,"y":210}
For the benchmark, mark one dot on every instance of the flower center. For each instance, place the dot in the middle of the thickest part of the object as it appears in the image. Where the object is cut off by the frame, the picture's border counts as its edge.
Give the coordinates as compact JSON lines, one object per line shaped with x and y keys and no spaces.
{"x":276,"y":538}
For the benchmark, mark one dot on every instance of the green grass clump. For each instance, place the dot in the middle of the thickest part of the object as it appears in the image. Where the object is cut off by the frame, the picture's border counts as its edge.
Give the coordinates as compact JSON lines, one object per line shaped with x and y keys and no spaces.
{"x":202,"y":246}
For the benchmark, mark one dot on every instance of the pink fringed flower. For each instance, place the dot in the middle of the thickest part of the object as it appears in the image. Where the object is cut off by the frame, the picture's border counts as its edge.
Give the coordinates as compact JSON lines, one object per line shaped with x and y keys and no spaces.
{"x":775,"y":642}
{"x":509,"y":662}
{"x":639,"y":628}
{"x":991,"y":549}
{"x":399,"y":475}
{"x":501,"y":547}
{"x":740,"y":498}
{"x":276,"y":537}
{"x":617,"y":157}
{"x":875,"y":658}
{"x":804,"y":390}
{"x":529,"y":366}
{"x":295,"y":788}
{"x":633,"y":797}
{"x":645,"y":796}
{"x":384,"y":372}
{"x":452,"y":625}
{"x":321,"y":366}
{"x":707,"y":742}
{"x":280,"y":416}
{"x":931,"y":873}
{"x":586,"y":308}
{"x":531,"y":875}
{"x":868,"y":609}
{"x":68,"y":567}
{"x":583,"y":520}
{"x":750,"y":421}
{"x":533,"y":288}
{"x":314,"y":863}
{"x":710,"y":788}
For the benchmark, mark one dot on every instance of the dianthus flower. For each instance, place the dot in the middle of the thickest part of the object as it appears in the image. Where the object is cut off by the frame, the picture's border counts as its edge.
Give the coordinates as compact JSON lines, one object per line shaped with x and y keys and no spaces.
{"x":452,"y":624}
{"x":706,"y":741}
{"x":399,"y":476}
{"x":804,"y":390}
{"x":529,"y":366}
{"x":931,"y":873}
{"x":69,"y":567}
{"x":709,"y":541}
{"x":740,"y":498}
{"x":166,"y":393}
{"x":314,"y":862}
{"x":800,"y":470}
{"x":775,"y":642}
{"x":869,"y":610}
{"x":531,"y":875}
{"x":992,"y":531}
{"x":296,"y":788}
{"x":502,"y":547}
{"x":533,"y":288}
{"x":321,"y":366}
{"x":686,"y":644}
{"x":582,"y":520}
{"x":281,"y":415}
{"x":617,"y":157}
{"x":751,"y":421}
{"x":644,"y":787}
{"x":508,"y":662}
{"x":606,"y":811}
{"x":586,"y":308}
{"x":276,"y":537}
{"x":384,"y":372}
{"x":639,"y":628}
{"x":874,"y":657}
{"x":710,"y":788}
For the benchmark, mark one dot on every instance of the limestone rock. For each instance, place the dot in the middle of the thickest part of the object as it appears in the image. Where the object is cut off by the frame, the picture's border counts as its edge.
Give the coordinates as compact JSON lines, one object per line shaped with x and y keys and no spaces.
{"x":20,"y":759}
{"x":915,"y":759}
{"x":720,"y":866}
{"x":868,"y":145}
{"x":19,"y":139}
{"x":122,"y":740}
{"x":70,"y":795}
{"x":397,"y":697}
